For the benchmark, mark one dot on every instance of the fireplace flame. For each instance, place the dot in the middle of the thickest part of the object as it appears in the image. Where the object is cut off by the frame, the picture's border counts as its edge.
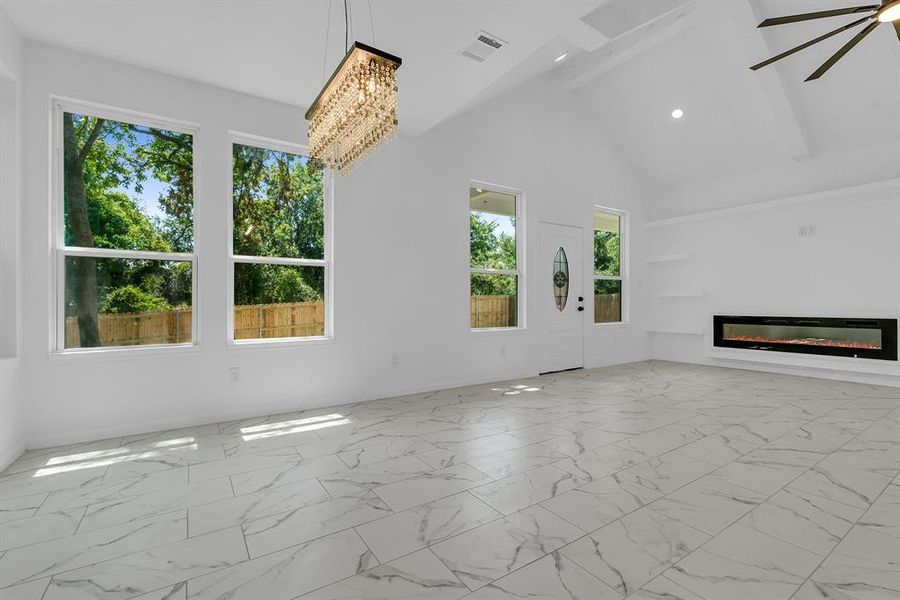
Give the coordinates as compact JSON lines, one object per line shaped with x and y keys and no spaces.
{"x":805,"y":342}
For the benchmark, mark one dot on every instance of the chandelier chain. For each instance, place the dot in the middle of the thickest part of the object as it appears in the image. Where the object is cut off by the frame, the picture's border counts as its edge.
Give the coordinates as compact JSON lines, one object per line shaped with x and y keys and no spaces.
{"x":346,"y":26}
{"x":357,"y":108}
{"x":325,"y":53}
{"x":350,"y":9}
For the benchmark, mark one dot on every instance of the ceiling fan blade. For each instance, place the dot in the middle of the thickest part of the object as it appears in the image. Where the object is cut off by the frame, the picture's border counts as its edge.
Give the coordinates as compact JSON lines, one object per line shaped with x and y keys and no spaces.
{"x":809,"y":43}
{"x":897,"y":29}
{"x":817,"y":15}
{"x":844,"y":50}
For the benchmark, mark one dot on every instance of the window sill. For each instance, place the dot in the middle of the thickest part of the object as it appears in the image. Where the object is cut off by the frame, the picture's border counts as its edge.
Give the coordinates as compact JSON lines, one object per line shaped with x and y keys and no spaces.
{"x":266,"y":344}
{"x":122,"y":351}
{"x":612,"y":325}
{"x":488,"y":330}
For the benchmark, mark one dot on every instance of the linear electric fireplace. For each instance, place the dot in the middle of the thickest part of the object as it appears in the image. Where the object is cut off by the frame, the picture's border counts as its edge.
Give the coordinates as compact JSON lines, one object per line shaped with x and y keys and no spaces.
{"x":861,"y":338}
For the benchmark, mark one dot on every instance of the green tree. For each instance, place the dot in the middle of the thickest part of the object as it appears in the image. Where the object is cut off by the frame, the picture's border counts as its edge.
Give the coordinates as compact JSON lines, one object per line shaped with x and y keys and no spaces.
{"x":78,"y":143}
{"x":132,"y":299}
{"x":278,"y":211}
{"x":102,"y":160}
{"x":606,"y":252}
{"x":168,"y":157}
{"x":491,"y":250}
{"x":607,"y":261}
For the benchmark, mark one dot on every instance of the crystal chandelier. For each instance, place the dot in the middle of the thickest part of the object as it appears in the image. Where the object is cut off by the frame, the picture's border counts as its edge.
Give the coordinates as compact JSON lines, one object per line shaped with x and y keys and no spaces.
{"x":356,"y":110}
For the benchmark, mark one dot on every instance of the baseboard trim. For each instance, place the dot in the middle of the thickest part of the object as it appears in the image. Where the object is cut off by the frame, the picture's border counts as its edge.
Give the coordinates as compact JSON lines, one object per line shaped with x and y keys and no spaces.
{"x":887,"y":380}
{"x":9,"y":456}
{"x":599,"y":364}
{"x":280,"y":406}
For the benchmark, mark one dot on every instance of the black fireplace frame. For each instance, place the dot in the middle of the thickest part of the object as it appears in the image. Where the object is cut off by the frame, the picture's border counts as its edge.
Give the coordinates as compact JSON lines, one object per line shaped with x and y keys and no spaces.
{"x":888,"y":327}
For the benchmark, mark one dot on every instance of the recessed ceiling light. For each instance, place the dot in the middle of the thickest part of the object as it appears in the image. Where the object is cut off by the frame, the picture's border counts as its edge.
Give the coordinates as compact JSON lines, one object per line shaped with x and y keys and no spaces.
{"x":560,"y":57}
{"x":677,"y":113}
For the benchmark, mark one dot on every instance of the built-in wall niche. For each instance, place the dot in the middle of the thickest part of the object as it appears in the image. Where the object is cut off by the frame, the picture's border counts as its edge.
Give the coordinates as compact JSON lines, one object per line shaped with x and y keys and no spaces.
{"x":829,"y":336}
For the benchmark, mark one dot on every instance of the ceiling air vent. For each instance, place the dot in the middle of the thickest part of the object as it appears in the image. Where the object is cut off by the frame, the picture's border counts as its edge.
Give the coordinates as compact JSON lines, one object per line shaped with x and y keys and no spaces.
{"x":481,"y":48}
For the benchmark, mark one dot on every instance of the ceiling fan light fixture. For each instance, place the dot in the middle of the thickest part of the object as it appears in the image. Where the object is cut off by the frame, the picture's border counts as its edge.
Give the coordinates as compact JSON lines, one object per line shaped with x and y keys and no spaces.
{"x":890,"y":12}
{"x":887,"y":12}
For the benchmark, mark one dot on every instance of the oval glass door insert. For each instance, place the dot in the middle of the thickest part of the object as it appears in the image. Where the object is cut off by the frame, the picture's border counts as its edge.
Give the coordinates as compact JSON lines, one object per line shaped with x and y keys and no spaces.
{"x":560,"y":279}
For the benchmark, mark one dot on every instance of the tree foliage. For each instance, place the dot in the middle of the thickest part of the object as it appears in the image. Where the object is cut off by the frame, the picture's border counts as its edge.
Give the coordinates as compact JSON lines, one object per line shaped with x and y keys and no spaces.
{"x":491,"y":249}
{"x":130,"y":187}
{"x":132,"y":299}
{"x":278,"y":212}
{"x":607,"y":261}
{"x":606,"y":252}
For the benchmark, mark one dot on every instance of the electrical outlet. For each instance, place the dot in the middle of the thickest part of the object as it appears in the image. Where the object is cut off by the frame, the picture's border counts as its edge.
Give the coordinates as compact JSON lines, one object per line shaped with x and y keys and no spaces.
{"x":234,"y":374}
{"x":395,"y":360}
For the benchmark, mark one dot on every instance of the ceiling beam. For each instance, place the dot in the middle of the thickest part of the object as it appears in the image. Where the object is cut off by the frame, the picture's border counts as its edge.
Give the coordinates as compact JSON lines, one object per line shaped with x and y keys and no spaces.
{"x":584,"y":36}
{"x":786,"y":125}
{"x":589,"y":67}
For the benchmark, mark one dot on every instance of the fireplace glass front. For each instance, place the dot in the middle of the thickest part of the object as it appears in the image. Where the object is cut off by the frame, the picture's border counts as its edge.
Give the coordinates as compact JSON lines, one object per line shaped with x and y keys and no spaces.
{"x":864,"y":338}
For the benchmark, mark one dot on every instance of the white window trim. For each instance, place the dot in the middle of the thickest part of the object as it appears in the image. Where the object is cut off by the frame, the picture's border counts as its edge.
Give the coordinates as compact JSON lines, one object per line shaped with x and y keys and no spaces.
{"x":519,"y":271}
{"x":246,"y":139}
{"x":624,"y":263}
{"x":59,"y":251}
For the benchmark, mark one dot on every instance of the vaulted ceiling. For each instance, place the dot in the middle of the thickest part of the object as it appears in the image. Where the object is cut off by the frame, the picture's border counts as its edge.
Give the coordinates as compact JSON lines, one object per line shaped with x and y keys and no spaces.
{"x":277,"y":49}
{"x":629,"y":63}
{"x":736,"y":121}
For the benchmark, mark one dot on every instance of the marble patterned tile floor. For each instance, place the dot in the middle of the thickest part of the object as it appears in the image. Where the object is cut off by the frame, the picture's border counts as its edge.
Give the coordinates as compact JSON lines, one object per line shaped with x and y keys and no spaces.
{"x":645,"y":481}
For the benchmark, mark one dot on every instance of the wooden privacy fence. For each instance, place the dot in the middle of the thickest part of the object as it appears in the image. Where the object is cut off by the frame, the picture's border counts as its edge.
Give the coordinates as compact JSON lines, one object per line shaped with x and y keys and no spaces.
{"x":607,"y":308}
{"x":174,"y":326}
{"x":254,"y":321}
{"x":500,"y":311}
{"x":131,"y":329}
{"x":298,"y":319}
{"x":492,"y":311}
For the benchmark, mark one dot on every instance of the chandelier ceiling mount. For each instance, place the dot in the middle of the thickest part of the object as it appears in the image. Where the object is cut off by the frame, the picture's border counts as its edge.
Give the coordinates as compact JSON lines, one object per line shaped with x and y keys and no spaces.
{"x":356,"y":109}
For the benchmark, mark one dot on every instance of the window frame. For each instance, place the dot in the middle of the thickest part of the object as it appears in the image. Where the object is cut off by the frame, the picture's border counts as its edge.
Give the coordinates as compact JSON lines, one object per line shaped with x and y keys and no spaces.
{"x":624,"y":264}
{"x":59,"y":251}
{"x":247,"y":139}
{"x":519,"y":271}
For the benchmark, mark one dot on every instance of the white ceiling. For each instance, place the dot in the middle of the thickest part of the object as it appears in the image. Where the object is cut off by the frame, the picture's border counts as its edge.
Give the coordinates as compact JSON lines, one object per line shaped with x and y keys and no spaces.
{"x":275,"y":48}
{"x":630,"y":62}
{"x":739,"y":121}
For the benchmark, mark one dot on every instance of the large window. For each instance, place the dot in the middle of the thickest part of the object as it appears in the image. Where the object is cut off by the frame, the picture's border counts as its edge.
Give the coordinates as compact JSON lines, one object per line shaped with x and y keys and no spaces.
{"x":494,"y":258}
{"x":125,"y":230}
{"x":279,"y":243}
{"x":609,"y":266}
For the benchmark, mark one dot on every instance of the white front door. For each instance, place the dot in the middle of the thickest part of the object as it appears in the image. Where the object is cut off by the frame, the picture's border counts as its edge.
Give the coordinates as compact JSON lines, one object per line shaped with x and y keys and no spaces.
{"x":561,"y":297}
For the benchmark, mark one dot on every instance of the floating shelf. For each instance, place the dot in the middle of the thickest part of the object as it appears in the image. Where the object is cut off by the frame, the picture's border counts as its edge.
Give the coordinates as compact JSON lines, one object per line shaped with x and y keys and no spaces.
{"x":676,"y":332}
{"x":682,"y":294}
{"x":667,"y":258}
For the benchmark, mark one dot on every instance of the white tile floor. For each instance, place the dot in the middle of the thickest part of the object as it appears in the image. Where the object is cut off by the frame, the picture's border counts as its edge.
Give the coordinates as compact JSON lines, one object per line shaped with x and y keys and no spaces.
{"x":647,"y":481}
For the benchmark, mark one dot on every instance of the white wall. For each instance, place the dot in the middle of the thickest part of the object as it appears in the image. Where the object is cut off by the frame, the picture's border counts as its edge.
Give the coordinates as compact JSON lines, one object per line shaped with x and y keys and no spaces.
{"x":751,"y":260}
{"x":12,"y":438}
{"x":401,"y":284}
{"x":821,"y":173}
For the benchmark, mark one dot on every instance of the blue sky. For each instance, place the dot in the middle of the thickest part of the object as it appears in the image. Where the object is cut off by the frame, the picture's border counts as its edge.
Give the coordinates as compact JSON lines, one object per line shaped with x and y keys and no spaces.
{"x":148,"y":198}
{"x":504,"y":223}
